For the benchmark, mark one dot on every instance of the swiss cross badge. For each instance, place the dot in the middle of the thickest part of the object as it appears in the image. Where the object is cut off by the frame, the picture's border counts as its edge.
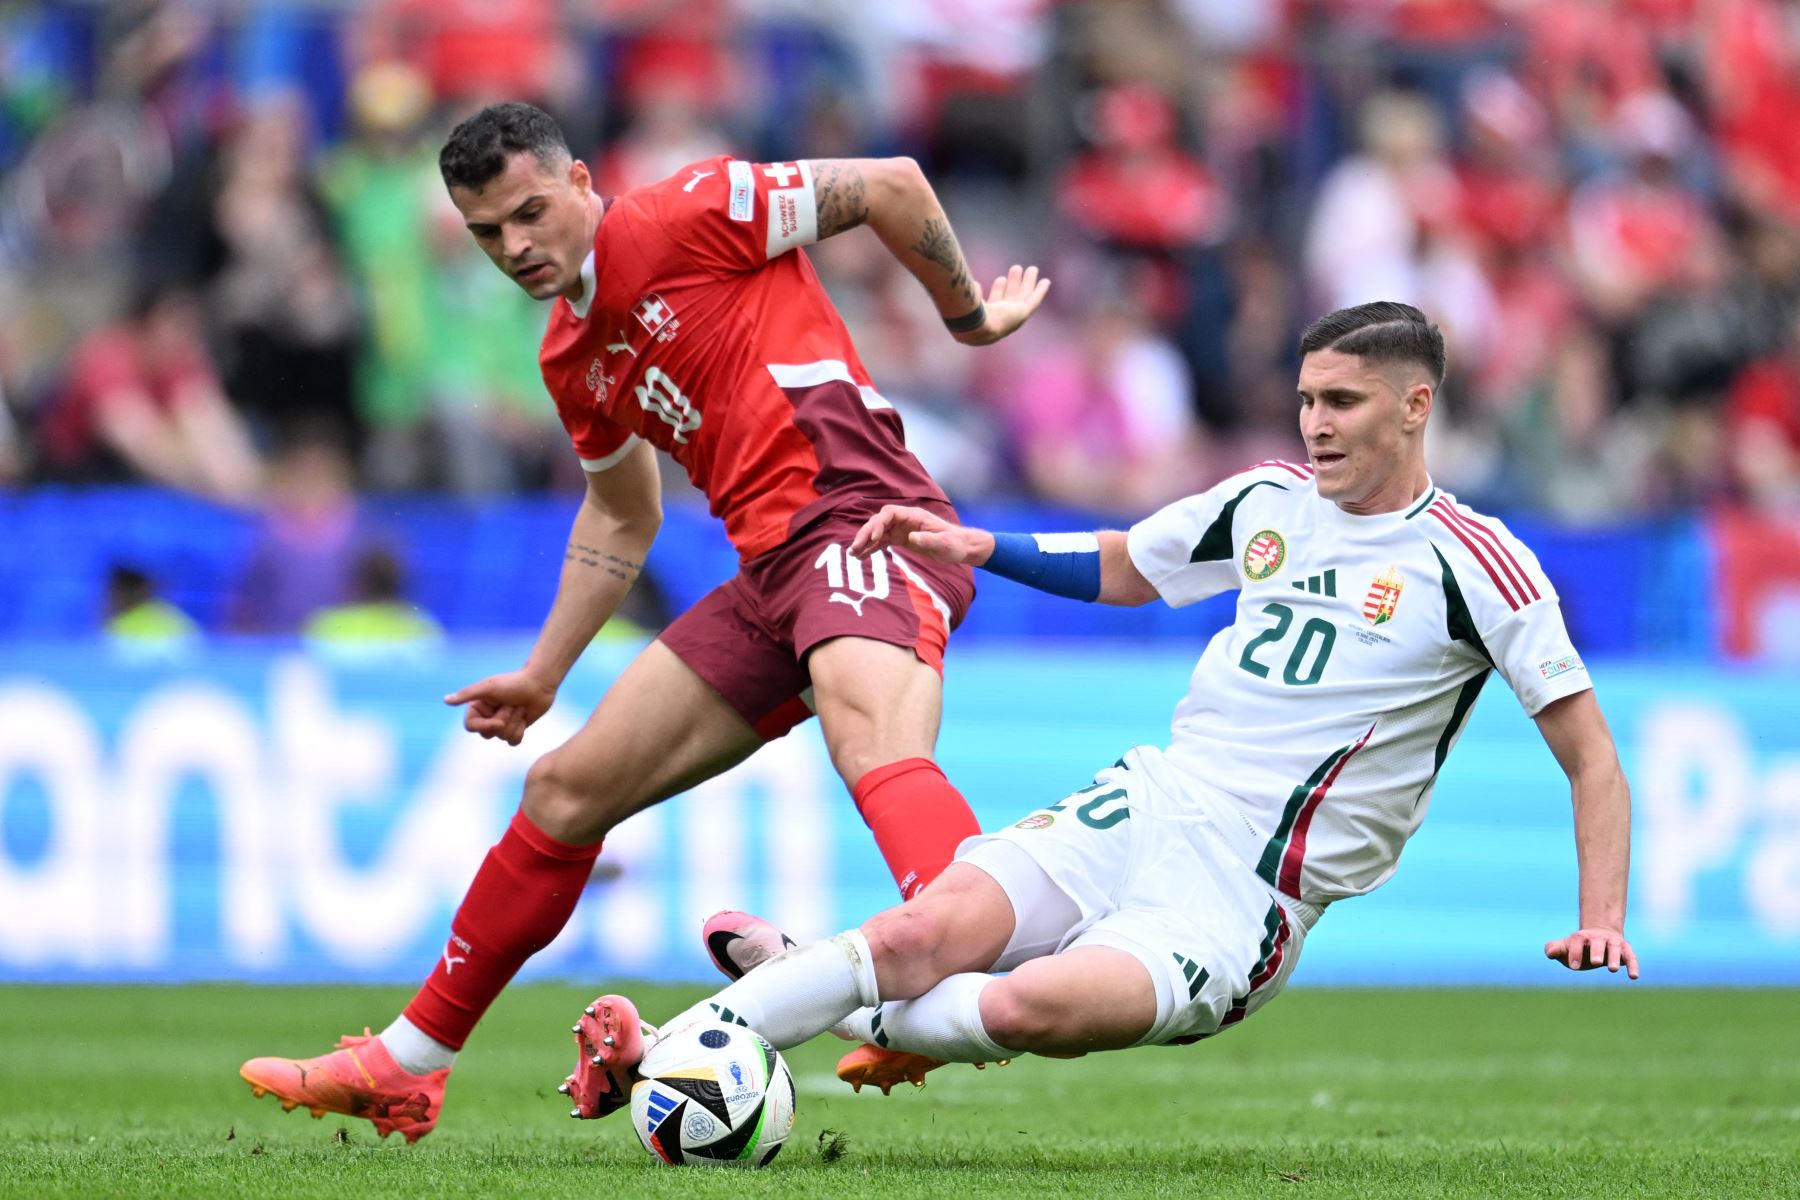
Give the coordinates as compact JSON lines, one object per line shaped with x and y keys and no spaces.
{"x":653,"y":312}
{"x":1383,"y":597}
{"x":1264,"y":555}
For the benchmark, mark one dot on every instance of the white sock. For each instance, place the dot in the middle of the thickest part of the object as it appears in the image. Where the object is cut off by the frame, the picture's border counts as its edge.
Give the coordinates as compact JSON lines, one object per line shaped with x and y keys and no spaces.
{"x":797,"y":995}
{"x":415,"y":1050}
{"x":943,"y":1023}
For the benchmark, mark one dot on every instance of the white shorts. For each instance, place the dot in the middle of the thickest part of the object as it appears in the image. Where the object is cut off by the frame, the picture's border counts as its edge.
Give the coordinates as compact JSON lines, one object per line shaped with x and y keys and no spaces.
{"x":1128,"y":863}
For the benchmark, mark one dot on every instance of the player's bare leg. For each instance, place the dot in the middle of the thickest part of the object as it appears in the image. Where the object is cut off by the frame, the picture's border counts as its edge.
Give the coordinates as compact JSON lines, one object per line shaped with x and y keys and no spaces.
{"x":959,"y":927}
{"x":879,"y":708}
{"x":877,"y":703}
{"x":1085,"y":999}
{"x":658,"y":731}
{"x":1061,"y":1006}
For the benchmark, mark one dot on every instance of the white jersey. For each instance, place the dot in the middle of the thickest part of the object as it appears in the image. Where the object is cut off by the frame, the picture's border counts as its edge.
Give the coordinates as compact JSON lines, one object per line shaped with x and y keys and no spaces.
{"x":1322,"y":715}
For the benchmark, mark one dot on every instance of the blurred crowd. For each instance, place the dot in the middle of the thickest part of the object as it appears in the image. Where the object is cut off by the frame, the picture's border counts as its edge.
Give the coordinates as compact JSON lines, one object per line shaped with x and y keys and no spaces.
{"x":226,"y":258}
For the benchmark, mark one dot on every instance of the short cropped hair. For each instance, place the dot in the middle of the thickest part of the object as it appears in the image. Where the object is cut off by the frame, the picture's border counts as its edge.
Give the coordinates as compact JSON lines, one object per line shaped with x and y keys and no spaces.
{"x":476,"y":153}
{"x":1384,"y":331}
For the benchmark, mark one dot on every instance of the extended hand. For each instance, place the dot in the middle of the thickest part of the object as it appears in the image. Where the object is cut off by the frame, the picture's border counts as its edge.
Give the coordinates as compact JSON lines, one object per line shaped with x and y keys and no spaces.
{"x":501,"y":706}
{"x":1586,"y":949}
{"x":923,"y":532}
{"x":1010,"y":303}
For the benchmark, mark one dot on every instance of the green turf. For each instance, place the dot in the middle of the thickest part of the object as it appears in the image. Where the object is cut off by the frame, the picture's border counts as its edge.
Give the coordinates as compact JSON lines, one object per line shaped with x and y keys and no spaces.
{"x":1622,"y":1092}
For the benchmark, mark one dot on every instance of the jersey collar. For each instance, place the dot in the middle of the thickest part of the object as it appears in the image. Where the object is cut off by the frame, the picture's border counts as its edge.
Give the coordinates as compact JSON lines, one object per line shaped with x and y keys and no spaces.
{"x":580,"y":307}
{"x":1425,"y":501}
{"x":1397,"y":516}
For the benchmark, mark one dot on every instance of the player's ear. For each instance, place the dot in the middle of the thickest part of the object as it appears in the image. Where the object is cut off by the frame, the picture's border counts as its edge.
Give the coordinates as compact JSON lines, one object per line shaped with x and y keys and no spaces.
{"x":1416,"y":404}
{"x":579,"y":179}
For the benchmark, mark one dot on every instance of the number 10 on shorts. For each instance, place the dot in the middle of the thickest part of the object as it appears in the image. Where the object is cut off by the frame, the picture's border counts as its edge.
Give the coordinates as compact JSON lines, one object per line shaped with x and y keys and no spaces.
{"x":853,"y":580}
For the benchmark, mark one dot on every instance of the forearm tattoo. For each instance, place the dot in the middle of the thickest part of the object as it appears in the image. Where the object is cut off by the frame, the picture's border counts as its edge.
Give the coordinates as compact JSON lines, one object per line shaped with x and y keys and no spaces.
{"x":612,"y":564}
{"x":838,"y":190}
{"x":938,"y":245}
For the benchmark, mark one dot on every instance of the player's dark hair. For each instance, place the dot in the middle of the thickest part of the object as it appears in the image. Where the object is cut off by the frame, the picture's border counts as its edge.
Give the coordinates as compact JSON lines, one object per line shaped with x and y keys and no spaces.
{"x":1384,"y":331}
{"x":476,"y":152}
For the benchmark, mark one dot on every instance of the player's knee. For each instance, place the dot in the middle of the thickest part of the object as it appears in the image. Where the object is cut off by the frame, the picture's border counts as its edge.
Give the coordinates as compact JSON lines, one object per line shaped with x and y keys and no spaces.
{"x":1018,"y":1019}
{"x":908,"y":944}
{"x":557,"y":802}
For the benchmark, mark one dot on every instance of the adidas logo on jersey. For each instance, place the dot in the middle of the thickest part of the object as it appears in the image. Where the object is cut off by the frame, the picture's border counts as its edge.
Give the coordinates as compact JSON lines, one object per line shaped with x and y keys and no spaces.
{"x":1325,"y":585}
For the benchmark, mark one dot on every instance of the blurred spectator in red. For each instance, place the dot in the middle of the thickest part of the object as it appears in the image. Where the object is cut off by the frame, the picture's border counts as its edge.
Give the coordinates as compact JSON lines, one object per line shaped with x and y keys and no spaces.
{"x":1153,"y":212}
{"x":1511,"y":204}
{"x":672,"y":89}
{"x":1137,"y":188}
{"x":1763,"y":430}
{"x":1753,"y":81}
{"x":1584,"y":57}
{"x":965,"y":70}
{"x":1104,"y":418}
{"x":311,"y":534}
{"x":470,"y":50}
{"x":1636,"y":234}
{"x":141,"y":400}
{"x":284,"y":309}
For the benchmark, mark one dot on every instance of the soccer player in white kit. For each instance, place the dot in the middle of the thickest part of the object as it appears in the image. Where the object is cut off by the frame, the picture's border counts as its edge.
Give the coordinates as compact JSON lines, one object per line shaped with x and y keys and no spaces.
{"x":1171,"y":898}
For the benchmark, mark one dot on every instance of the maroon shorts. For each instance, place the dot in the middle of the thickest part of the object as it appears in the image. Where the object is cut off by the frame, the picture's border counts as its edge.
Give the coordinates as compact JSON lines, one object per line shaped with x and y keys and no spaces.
{"x":748,"y":638}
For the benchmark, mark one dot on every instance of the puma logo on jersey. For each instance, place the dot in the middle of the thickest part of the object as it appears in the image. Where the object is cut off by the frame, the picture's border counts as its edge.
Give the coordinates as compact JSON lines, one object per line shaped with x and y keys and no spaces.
{"x":698,"y":176}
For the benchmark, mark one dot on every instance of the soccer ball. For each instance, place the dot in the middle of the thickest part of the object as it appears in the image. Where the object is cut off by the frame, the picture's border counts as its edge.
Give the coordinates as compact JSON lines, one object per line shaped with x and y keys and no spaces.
{"x":713,"y":1095}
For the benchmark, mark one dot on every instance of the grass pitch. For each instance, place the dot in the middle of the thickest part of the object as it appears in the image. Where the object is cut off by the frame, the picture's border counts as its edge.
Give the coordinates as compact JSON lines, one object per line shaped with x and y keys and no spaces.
{"x":1625,"y":1091}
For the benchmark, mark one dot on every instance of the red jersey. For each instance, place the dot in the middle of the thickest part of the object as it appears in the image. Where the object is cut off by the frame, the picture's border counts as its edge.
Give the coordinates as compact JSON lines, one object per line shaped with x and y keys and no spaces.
{"x":704,"y":331}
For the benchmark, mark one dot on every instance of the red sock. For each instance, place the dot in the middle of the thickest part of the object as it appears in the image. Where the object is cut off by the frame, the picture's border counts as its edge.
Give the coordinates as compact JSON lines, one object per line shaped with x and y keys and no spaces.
{"x":917,"y":817}
{"x":521,"y":898}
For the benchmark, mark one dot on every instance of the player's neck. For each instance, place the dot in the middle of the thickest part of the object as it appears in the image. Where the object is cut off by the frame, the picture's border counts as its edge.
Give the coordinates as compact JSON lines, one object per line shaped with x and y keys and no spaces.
{"x":596,"y":208}
{"x":1400,"y":492}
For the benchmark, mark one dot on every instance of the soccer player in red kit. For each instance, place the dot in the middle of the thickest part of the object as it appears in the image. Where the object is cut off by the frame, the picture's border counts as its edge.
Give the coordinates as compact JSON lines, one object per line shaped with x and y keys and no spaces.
{"x":687,"y":319}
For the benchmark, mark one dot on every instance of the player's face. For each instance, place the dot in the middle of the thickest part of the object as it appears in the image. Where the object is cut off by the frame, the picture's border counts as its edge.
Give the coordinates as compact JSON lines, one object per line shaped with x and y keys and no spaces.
{"x":532,"y":221}
{"x":1361,"y":424}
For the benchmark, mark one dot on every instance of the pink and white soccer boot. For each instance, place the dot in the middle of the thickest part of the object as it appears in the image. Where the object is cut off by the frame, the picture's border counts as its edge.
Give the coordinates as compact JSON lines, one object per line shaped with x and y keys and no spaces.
{"x":740,"y":942}
{"x":610,"y":1041}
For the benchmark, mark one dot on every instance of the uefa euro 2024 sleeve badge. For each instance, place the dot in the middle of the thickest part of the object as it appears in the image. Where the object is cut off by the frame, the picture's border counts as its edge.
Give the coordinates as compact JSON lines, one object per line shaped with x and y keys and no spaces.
{"x":1383,"y":597}
{"x":1264,"y":555}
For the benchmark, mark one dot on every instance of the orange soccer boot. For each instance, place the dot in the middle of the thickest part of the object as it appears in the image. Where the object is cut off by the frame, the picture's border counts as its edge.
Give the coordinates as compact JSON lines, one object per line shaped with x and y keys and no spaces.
{"x":358,"y":1079}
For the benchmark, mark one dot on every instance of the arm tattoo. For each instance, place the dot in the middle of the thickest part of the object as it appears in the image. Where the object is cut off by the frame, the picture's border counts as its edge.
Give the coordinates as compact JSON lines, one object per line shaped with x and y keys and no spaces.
{"x":612,"y":564}
{"x":938,"y":245}
{"x":838,"y":192}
